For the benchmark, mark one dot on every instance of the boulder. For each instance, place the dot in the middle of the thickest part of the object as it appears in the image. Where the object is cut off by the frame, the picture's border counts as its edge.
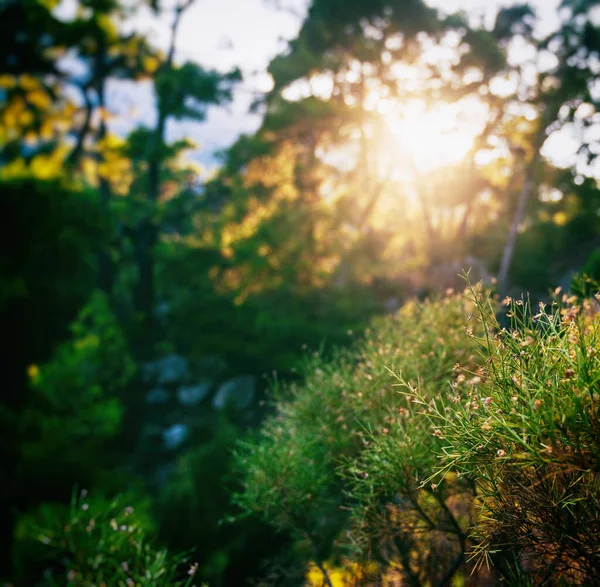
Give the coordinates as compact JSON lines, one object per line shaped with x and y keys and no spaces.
{"x":169,"y":369}
{"x":157,"y":396}
{"x":238,"y":392}
{"x":175,"y":436}
{"x":191,"y":395}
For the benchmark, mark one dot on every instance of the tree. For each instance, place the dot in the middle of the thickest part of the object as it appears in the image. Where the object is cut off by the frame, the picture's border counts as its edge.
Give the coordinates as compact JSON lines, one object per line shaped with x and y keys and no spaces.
{"x":107,"y":54}
{"x":558,"y":97}
{"x":323,"y":113}
{"x":183,"y":92}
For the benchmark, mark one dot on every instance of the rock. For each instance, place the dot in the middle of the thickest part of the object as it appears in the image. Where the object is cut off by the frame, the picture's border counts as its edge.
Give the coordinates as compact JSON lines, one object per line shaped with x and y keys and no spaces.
{"x":192,"y":395}
{"x":238,"y":391}
{"x":169,"y":369}
{"x":175,"y":435}
{"x":157,"y":396}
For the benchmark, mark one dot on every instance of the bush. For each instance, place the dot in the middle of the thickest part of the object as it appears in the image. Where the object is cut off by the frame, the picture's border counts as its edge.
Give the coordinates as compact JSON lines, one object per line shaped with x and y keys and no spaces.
{"x":95,"y":542}
{"x":340,"y":465}
{"x":592,"y":265}
{"x":529,"y":434}
{"x":76,"y":408}
{"x":194,"y":508}
{"x":489,"y":449}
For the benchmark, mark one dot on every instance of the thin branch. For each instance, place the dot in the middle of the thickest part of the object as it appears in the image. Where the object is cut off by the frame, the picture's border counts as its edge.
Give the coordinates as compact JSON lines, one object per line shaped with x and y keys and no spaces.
{"x":509,"y":248}
{"x":318,"y":561}
{"x":83,"y":132}
{"x":181,"y":8}
{"x":462,"y":537}
{"x":412,"y":576}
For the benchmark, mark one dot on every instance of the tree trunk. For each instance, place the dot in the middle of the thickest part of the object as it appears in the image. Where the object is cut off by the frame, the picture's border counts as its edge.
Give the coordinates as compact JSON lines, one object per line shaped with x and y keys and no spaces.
{"x":509,"y":248}
{"x":147,"y":237}
{"x":77,"y":152}
{"x":106,"y":266}
{"x":147,"y":232}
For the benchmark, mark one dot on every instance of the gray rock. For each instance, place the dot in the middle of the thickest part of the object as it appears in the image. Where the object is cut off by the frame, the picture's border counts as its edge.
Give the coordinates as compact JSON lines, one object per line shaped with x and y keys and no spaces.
{"x":191,"y":395}
{"x":175,"y":435}
{"x":157,"y":396}
{"x":238,"y":391}
{"x":169,"y":369}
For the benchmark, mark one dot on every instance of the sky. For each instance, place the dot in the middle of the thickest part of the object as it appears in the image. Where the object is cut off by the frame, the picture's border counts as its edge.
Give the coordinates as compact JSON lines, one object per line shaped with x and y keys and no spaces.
{"x":223,"y":34}
{"x":219,"y":34}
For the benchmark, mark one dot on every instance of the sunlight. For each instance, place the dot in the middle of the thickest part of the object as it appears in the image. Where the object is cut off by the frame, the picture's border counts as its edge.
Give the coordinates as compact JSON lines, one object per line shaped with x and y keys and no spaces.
{"x":422,"y":136}
{"x":427,"y":138}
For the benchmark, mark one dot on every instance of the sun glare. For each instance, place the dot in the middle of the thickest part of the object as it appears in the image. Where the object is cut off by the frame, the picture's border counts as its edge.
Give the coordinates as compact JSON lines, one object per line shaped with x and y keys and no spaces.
{"x":426,"y":138}
{"x":418,"y":137}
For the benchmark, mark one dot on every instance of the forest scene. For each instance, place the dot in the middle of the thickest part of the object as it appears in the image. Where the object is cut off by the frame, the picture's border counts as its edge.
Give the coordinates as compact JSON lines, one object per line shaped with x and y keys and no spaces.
{"x":300,"y":293}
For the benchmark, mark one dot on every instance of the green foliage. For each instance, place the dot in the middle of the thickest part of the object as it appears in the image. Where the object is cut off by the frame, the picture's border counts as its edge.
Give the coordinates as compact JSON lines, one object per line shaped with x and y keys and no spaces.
{"x":77,"y":401}
{"x":333,"y":29}
{"x":528,"y":435}
{"x":185,"y":92}
{"x":194,"y":508}
{"x":194,"y":501}
{"x":517,"y":19}
{"x":271,"y":327}
{"x":47,"y":274}
{"x":54,"y":231}
{"x":347,"y":440}
{"x":489,"y":448}
{"x":95,"y":541}
{"x":592,"y":266}
{"x":311,"y":226}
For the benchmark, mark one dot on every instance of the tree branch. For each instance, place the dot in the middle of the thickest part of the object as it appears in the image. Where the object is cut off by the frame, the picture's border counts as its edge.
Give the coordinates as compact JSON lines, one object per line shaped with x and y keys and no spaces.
{"x":77,"y":151}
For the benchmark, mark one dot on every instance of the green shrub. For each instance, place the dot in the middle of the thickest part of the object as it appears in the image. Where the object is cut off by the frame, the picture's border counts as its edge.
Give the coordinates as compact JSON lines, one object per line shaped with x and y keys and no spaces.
{"x":95,"y":541}
{"x":76,"y":408}
{"x":194,"y":509}
{"x":340,"y":465}
{"x":529,"y":435}
{"x":489,"y":449}
{"x":586,"y":283}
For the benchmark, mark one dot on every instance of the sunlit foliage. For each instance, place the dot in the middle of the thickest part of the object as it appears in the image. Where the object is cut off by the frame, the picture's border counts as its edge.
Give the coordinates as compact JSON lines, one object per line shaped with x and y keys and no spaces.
{"x":346,"y":451}
{"x":442,"y":436}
